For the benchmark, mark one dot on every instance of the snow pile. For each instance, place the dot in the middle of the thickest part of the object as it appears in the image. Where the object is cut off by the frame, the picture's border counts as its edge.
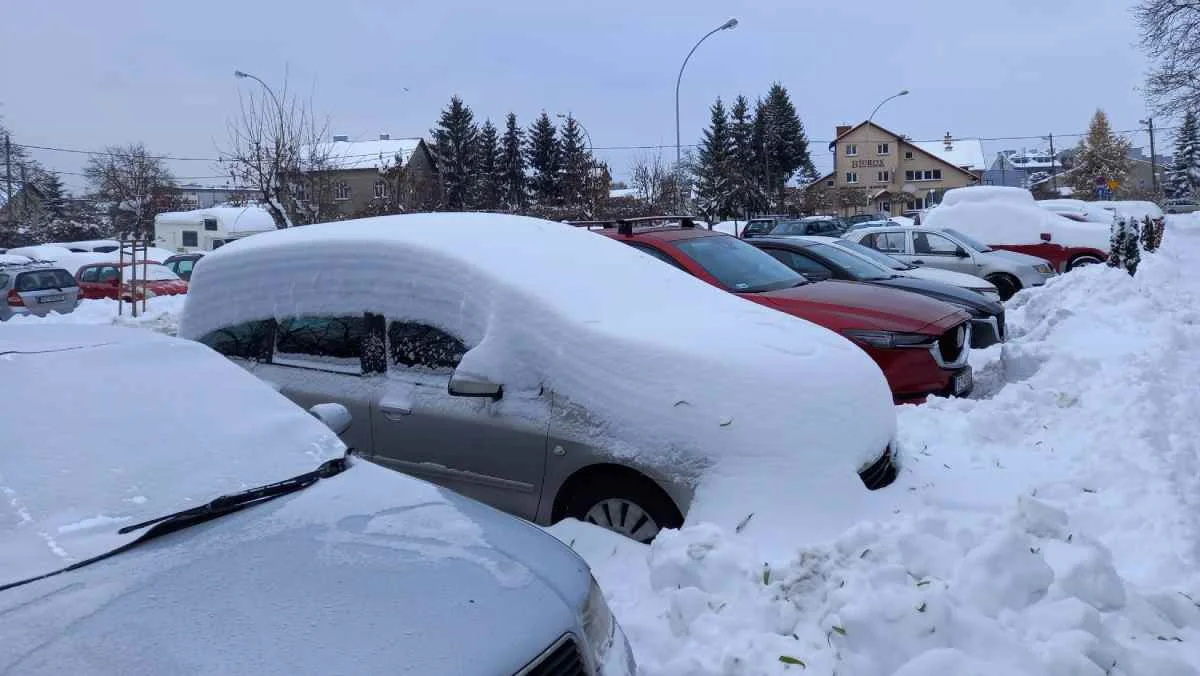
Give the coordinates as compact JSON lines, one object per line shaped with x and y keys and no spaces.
{"x":161,"y":315}
{"x":642,"y":354}
{"x":1003,"y":215}
{"x":1048,"y":528}
{"x":1131,"y":208}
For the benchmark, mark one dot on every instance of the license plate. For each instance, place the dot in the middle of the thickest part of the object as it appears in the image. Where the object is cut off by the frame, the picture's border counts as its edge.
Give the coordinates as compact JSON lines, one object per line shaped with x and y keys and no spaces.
{"x":57,"y":298}
{"x":962,"y":382}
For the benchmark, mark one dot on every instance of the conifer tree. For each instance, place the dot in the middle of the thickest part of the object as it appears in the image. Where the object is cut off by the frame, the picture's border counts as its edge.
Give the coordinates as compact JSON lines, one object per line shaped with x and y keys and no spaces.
{"x":780,"y":142}
{"x":1184,"y":178}
{"x":490,"y":168}
{"x":1131,"y":254}
{"x":544,"y":154}
{"x":749,"y":196}
{"x":455,"y":147}
{"x":513,"y":190}
{"x":715,"y":171}
{"x":576,"y":164}
{"x":1102,"y":156}
{"x":1116,"y":243}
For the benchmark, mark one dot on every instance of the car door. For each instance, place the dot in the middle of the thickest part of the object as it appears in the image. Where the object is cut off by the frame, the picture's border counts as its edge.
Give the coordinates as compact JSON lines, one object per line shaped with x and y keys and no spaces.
{"x":490,"y":449}
{"x":812,"y":270}
{"x":894,"y":243}
{"x":938,"y":251}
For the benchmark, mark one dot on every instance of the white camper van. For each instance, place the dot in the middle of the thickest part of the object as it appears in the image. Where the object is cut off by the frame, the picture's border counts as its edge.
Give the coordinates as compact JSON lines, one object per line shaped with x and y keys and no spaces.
{"x":209,"y":229}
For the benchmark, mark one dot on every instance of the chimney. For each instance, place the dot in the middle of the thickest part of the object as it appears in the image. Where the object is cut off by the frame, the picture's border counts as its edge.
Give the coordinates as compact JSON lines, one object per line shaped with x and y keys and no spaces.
{"x":385,"y":137}
{"x":949,"y":141}
{"x":340,"y":137}
{"x":841,"y":129}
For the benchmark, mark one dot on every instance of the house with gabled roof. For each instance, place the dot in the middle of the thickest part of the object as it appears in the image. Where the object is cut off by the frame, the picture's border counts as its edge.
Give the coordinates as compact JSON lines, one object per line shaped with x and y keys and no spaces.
{"x":376,"y":173}
{"x":890,"y":173}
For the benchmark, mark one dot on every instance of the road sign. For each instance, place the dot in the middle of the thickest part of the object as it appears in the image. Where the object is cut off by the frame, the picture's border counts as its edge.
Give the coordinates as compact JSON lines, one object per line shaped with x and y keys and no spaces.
{"x":1113,"y":183}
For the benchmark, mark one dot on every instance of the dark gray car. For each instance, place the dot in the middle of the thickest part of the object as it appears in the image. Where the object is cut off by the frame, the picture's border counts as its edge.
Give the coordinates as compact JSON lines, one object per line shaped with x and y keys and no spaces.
{"x":36,"y":289}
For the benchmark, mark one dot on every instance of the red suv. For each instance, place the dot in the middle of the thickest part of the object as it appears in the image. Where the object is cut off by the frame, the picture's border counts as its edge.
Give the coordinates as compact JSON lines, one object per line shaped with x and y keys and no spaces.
{"x":99,"y":280}
{"x":921,"y":344}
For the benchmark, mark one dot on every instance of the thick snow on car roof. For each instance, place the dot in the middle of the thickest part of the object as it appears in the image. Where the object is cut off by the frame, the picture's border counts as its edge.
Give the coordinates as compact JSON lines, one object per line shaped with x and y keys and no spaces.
{"x":669,"y":368}
{"x":111,"y":426}
{"x":1004,"y":215}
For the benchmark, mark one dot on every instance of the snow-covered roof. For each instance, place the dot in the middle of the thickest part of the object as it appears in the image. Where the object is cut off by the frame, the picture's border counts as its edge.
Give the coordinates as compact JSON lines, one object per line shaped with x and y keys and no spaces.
{"x":372,"y":154}
{"x":234,"y":220}
{"x":640,"y":346}
{"x":963,"y":152}
{"x":623,"y":192}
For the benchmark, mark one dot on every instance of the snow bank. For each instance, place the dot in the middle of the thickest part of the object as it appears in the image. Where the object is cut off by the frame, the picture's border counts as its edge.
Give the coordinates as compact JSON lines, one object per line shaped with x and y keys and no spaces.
{"x":765,"y":413}
{"x":1131,"y":208}
{"x":1003,"y":215}
{"x":1049,"y":527}
{"x":42,"y":252}
{"x":161,"y":315}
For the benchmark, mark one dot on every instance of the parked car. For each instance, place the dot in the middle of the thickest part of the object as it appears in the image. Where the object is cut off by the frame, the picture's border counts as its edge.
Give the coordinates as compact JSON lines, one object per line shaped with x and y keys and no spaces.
{"x":103,"y":280}
{"x":552,"y":373}
{"x":1010,"y":219}
{"x":956,"y":279}
{"x":819,"y":261}
{"x":762,"y":225}
{"x":851,"y":221}
{"x":90,"y":245}
{"x":228,"y":530}
{"x":182,"y":264}
{"x":36,"y":289}
{"x":951,"y":250}
{"x":809,"y":225}
{"x":920,"y":344}
{"x":1181,"y":206}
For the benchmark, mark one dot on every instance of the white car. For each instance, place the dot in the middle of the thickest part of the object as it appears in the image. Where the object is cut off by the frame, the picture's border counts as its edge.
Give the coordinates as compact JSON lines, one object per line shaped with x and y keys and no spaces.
{"x":959,"y":279}
{"x":553,"y":373}
{"x":180,"y":517}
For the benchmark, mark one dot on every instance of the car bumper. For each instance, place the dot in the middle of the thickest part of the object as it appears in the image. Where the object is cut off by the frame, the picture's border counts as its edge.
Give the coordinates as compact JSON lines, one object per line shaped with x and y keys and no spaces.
{"x":914,"y":374}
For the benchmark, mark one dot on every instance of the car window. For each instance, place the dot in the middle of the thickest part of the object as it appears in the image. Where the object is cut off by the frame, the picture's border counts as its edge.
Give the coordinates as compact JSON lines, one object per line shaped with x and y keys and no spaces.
{"x":929,"y":243}
{"x":90,"y":274}
{"x":247,"y":340}
{"x":327,"y":343}
{"x":738,"y":265}
{"x":856,"y":267}
{"x":758,"y":227}
{"x":108,"y":273}
{"x":40,"y":280}
{"x":790,"y":228}
{"x":652,"y":251}
{"x":877,"y":256}
{"x":183,"y":268}
{"x":976,"y":245}
{"x":420,"y":346}
{"x":889,"y":242}
{"x":798,"y":262}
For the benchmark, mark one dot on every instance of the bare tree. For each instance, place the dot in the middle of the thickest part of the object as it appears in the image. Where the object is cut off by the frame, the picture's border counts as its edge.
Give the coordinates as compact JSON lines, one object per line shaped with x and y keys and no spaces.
{"x":1170,"y":35}
{"x":278,"y":150}
{"x":657,"y":183}
{"x":135,"y":184}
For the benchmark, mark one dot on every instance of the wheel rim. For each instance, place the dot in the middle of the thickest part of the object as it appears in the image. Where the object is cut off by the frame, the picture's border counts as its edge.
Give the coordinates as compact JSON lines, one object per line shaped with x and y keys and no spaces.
{"x":624,"y":517}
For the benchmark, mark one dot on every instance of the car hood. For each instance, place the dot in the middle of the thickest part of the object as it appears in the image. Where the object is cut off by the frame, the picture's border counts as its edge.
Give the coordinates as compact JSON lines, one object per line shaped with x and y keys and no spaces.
{"x":1015,"y":257}
{"x":955,"y":295}
{"x":949,"y":277}
{"x":369,"y":571}
{"x":839,"y":306}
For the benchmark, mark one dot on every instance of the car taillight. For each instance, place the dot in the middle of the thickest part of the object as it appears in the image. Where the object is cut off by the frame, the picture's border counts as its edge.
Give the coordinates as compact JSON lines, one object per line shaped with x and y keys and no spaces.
{"x":14,"y":298}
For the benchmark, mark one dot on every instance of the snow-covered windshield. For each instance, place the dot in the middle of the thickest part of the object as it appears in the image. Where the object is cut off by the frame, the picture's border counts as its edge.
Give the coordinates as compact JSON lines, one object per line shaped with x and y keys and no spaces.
{"x":738,"y":266}
{"x":858,"y":268}
{"x":877,"y":256}
{"x":982,"y":248}
{"x":153,"y":273}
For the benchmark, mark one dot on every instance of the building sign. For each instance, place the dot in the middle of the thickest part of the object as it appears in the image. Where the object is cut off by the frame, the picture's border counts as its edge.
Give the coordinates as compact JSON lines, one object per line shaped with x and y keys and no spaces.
{"x":867,"y":164}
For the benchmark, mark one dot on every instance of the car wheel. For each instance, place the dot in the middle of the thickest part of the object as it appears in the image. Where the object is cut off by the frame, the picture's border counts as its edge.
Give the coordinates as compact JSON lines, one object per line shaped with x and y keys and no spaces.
{"x":1006,"y":284}
{"x":632,"y":506}
{"x":1082,"y":261}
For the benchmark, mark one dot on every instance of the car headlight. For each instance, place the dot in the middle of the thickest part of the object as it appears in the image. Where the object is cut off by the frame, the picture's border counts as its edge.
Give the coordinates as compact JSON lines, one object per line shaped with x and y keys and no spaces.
{"x":889,"y":339}
{"x":1044,"y":269}
{"x":599,"y":627}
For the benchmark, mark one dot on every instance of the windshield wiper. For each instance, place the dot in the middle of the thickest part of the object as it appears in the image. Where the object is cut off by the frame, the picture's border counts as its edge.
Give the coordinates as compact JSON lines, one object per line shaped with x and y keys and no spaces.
{"x":220,"y":506}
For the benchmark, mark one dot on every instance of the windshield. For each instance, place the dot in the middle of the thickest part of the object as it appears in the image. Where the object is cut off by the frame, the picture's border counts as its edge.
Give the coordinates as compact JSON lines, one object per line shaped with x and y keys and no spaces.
{"x":861,"y":270}
{"x":153,"y":273}
{"x":982,"y":248}
{"x":790,"y":228}
{"x":40,"y":280}
{"x":877,"y":256}
{"x":738,"y":266}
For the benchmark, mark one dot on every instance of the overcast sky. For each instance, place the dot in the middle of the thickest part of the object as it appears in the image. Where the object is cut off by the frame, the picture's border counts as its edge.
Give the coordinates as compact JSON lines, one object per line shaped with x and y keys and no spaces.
{"x":85,"y":74}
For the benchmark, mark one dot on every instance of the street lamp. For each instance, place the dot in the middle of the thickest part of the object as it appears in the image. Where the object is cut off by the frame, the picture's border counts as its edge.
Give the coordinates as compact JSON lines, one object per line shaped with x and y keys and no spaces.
{"x":902,"y":92}
{"x":725,"y":26}
{"x":279,"y":141}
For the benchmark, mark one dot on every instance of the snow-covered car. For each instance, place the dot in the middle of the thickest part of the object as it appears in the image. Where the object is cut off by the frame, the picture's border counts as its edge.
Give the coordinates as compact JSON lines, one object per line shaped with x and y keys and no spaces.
{"x":1181,"y":206}
{"x":1010,"y":219}
{"x":90,"y":245}
{"x":552,"y":373}
{"x":949,"y":249}
{"x":959,"y":279}
{"x":1138,"y":209}
{"x":1079,"y":210}
{"x":221,"y":529}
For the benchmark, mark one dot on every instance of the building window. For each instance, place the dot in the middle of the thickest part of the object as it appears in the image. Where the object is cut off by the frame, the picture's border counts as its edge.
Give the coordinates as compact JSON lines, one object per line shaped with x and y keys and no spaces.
{"x":908,"y":154}
{"x":190,"y":238}
{"x":923,"y":175}
{"x":884,"y":176}
{"x":883,"y":149}
{"x":937,"y":174}
{"x":341,"y":192}
{"x":210,"y":224}
{"x":851,"y":177}
{"x":380,"y":190}
{"x":829,"y":183}
{"x":851,"y":149}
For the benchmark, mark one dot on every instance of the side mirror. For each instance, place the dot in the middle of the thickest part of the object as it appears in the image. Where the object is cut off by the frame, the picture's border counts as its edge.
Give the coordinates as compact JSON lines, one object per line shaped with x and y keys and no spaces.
{"x":335,"y":416}
{"x":1046,"y":237}
{"x":467,"y":385}
{"x":961,"y":253}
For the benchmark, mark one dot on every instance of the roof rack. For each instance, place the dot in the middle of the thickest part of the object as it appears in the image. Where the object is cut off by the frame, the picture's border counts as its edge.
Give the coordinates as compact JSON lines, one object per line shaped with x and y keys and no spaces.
{"x":625,"y":226}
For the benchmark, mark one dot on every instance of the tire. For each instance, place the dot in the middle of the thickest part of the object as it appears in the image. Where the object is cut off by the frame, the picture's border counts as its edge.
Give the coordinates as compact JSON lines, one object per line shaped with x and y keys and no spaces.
{"x":1082,"y":262}
{"x":1006,"y":284}
{"x":619,"y":504}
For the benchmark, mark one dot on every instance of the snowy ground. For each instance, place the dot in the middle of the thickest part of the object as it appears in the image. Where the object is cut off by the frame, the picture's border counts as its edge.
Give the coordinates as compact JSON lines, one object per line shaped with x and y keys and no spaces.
{"x":1048,"y":526}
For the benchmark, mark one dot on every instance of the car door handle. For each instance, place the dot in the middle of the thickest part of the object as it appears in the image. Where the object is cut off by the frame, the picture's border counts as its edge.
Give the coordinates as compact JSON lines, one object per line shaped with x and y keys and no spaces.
{"x":394,"y":412}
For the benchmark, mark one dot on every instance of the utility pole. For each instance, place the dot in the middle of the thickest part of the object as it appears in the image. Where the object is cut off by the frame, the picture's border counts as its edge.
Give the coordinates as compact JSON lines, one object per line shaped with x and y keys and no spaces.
{"x":1053,"y":173}
{"x":8,"y":176}
{"x":25,"y":201}
{"x":1149,"y":122}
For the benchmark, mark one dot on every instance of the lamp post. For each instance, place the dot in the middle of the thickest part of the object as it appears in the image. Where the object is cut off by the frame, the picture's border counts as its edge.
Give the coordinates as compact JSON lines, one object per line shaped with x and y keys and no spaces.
{"x":902,"y":92}
{"x":678,"y":153}
{"x":278,"y":138}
